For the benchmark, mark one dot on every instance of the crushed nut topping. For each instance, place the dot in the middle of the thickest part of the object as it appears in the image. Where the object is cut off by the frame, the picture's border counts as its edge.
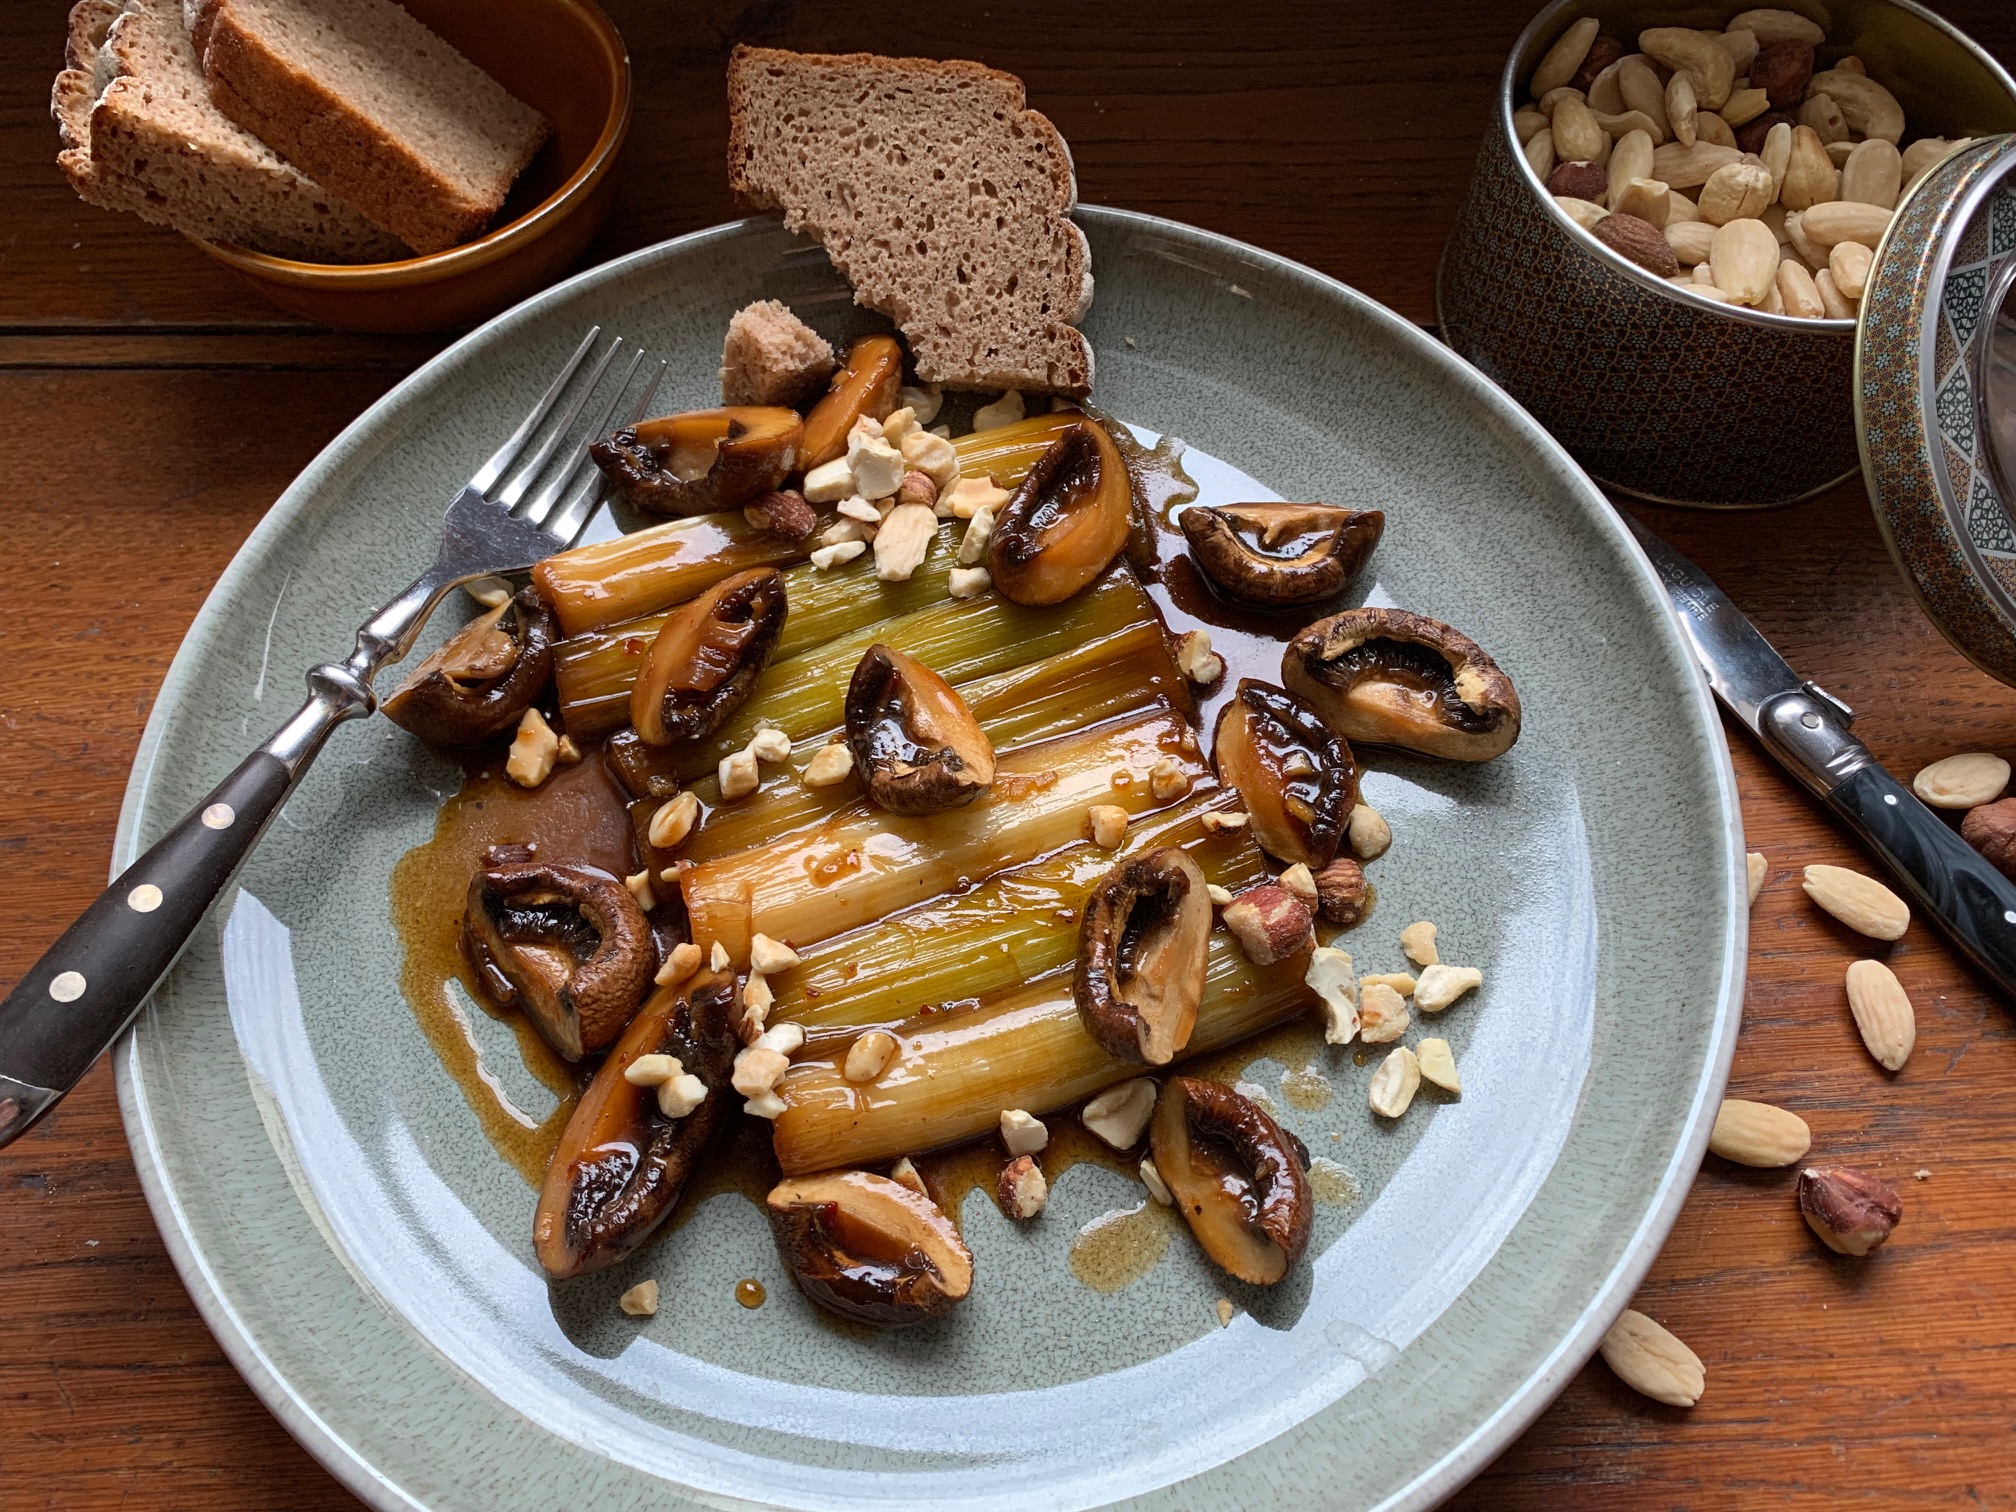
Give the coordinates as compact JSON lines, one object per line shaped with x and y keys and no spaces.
{"x":771,"y":956}
{"x":738,"y":776}
{"x":673,"y":822}
{"x":838,"y":554}
{"x":1168,"y":779}
{"x":679,"y":965}
{"x":1382,"y":1013}
{"x":641,"y":1301}
{"x":869,"y":1056}
{"x":1224,"y":823}
{"x":1418,"y":941}
{"x":1106,"y":823}
{"x":1439,"y":986}
{"x":534,"y":749}
{"x":830,"y":766}
{"x":1329,"y":977}
{"x":1196,"y":660}
{"x":1022,"y":1133}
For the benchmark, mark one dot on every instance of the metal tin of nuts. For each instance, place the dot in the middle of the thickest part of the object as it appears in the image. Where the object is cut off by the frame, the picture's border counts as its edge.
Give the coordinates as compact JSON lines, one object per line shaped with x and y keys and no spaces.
{"x":1658,"y":391}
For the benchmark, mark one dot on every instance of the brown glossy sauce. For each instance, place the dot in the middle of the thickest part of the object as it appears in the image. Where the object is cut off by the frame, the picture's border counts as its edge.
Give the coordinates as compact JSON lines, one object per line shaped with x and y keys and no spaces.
{"x":749,"y":1292}
{"x":1118,"y":1248}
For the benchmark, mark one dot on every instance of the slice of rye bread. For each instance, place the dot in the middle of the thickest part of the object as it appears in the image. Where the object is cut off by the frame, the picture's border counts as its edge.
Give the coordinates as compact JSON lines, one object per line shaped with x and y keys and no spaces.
{"x":939,"y":195}
{"x":139,"y":134}
{"x":375,"y":105}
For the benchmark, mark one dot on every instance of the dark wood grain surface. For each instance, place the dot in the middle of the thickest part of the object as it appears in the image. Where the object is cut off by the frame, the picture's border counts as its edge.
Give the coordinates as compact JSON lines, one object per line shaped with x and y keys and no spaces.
{"x":151,"y":409}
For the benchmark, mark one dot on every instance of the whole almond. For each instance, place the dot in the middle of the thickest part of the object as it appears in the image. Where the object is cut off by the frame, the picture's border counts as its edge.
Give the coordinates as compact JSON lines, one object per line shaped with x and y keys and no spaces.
{"x":1962,"y":782}
{"x":1712,"y":131}
{"x":1757,"y":1134}
{"x":1639,"y":241}
{"x":1756,"y":868}
{"x":1834,"y":221}
{"x":1680,"y":108}
{"x":1809,"y":174}
{"x":1539,"y":151}
{"x":1873,"y":174}
{"x":1577,"y":137}
{"x":1652,"y":1362}
{"x":1777,"y":154}
{"x":1630,"y":159}
{"x":1744,"y":106}
{"x":1565,"y":57}
{"x":1837,"y":307}
{"x":1882,"y":1012}
{"x":1862,"y":903}
{"x":1744,"y":260}
{"x":1852,"y":1211}
{"x":1797,"y":291}
{"x":1741,"y":45}
{"x":1770,"y":26}
{"x":1643,"y":93}
{"x":1585,"y":213}
{"x":1849,"y":262}
{"x":1690,"y":240}
{"x":1691,"y":167}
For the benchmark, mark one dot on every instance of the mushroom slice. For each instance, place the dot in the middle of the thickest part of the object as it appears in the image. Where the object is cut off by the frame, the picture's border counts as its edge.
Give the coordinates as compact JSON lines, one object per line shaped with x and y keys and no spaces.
{"x":1237,"y":1178}
{"x":475,"y":687}
{"x":1280,"y":556}
{"x":1389,"y":677}
{"x":1067,"y":521}
{"x":707,"y":658}
{"x":870,"y":1248}
{"x":703,"y":460}
{"x":868,"y":384}
{"x":1142,"y":948}
{"x":567,"y":944}
{"x":920,"y":746}
{"x":622,"y":1162}
{"x":1298,"y":778}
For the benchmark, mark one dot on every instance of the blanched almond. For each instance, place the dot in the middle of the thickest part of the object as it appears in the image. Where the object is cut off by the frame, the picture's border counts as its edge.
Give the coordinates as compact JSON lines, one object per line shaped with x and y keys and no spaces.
{"x":1757,"y":1134}
{"x":1962,"y":782}
{"x":1862,"y":903}
{"x":1882,"y":1012}
{"x":1652,"y":1362}
{"x":1744,"y":260}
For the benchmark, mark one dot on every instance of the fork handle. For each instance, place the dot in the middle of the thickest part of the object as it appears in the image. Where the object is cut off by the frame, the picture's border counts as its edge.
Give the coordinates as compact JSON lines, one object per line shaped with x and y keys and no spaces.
{"x":89,"y":985}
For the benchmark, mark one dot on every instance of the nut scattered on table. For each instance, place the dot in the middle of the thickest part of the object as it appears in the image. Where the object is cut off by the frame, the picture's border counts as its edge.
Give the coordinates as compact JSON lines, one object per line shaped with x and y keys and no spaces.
{"x":1758,"y":1134}
{"x":1852,"y":1211}
{"x":1882,"y":1012}
{"x":1861,"y":902}
{"x":1652,"y":1362}
{"x":1962,"y":782}
{"x":1758,"y":868}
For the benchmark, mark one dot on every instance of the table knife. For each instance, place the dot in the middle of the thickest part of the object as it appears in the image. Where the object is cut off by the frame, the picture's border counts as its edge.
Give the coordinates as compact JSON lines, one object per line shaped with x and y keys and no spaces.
{"x":1806,"y":730}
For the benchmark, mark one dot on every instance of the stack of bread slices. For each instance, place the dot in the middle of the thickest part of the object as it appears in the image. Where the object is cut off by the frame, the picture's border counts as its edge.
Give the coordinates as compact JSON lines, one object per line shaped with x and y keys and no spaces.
{"x":337,"y":131}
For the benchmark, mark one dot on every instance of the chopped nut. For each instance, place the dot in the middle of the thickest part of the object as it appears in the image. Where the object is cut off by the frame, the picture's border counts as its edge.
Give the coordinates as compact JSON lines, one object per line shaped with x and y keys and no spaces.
{"x":1270,"y":923}
{"x":968,"y":582}
{"x":1196,"y":660}
{"x":1395,"y":1083}
{"x":838,"y":554}
{"x":681,"y":1095}
{"x":1758,"y":869}
{"x":738,"y":776}
{"x":1368,"y":833}
{"x":1382,"y":1013}
{"x":1852,"y":1211}
{"x":877,"y":466}
{"x":718,"y":957}
{"x":1226,"y":1312}
{"x":1119,"y":1114}
{"x":639,"y":884}
{"x":841,"y":531}
{"x":1439,"y":986}
{"x":771,"y":956}
{"x":490,"y":592}
{"x":1343,"y":896}
{"x":830,"y":766}
{"x":829,"y":482}
{"x":1021,"y":1133}
{"x":783,"y":513}
{"x":652,"y":1070}
{"x":1022,"y":1191}
{"x":922,"y":402}
{"x":978,"y":537}
{"x":1157,"y":1187}
{"x":1438,"y":1066}
{"x":1418,"y":941}
{"x":905,"y":1173}
{"x":679,"y":965}
{"x":567,"y":753}
{"x":770,"y":744}
{"x":1399,"y":981}
{"x":673,"y":822}
{"x":869,"y":1056}
{"x":1168,"y":779}
{"x":764,"y":1105}
{"x":1106,"y":823}
{"x":758,"y":1070}
{"x":903,"y":542}
{"x":757,"y":999}
{"x":1219,"y":896}
{"x":931,"y":454}
{"x":1300,"y":881}
{"x":918,"y":489}
{"x":533,"y":751}
{"x":898,"y":424}
{"x":1217,"y":823}
{"x":641,"y":1301}
{"x":1329,"y":977}
{"x":1003,"y":411}
{"x":969,"y":496}
{"x":860,"y":511}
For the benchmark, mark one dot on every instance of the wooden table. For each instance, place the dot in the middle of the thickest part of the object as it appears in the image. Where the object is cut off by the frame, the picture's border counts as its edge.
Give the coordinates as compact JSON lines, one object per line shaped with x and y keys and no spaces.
{"x":150,"y":410}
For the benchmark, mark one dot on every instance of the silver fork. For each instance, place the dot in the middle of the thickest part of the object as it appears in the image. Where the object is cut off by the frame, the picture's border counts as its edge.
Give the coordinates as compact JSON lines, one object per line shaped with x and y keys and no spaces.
{"x":75,"y":1001}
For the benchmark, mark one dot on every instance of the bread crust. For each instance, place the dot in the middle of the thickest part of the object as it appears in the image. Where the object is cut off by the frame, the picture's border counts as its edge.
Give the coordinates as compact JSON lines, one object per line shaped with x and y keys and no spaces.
{"x":1038,"y":350}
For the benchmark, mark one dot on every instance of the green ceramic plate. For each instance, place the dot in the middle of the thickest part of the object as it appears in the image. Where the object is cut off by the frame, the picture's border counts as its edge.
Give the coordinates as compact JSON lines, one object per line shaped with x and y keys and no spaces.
{"x":364,"y":1257}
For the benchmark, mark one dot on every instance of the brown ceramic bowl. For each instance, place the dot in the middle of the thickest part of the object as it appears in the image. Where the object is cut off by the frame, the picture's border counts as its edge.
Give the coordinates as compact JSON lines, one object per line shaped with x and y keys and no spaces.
{"x":564,"y":58}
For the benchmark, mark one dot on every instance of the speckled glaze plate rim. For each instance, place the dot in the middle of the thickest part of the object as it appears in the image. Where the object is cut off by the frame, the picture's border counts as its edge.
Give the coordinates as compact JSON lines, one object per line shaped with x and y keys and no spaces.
{"x":1442,"y":1471}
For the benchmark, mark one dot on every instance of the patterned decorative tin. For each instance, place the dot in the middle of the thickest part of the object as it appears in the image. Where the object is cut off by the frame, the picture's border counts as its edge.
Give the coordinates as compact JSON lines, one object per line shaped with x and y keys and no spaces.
{"x":1940,"y":293}
{"x":1659,"y":392}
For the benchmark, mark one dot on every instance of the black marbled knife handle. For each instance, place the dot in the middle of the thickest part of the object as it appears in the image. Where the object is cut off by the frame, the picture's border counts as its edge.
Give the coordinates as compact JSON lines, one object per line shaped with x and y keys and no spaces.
{"x":1945,"y":876}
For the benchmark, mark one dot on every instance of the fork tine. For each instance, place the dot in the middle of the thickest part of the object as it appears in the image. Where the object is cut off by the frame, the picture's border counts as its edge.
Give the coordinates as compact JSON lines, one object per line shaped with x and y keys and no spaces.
{"x":542,"y":502}
{"x":513,"y":491}
{"x":501,"y":459}
{"x":572,"y":517}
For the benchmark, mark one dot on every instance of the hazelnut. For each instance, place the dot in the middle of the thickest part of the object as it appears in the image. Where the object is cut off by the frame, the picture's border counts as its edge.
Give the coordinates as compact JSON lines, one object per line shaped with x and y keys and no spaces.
{"x":783,"y":513}
{"x":1343,"y":896}
{"x":916,"y":488}
{"x":1270,"y":923}
{"x":1852,"y":1211}
{"x":1022,"y":1191}
{"x":1583,"y":181}
{"x":1991,"y":830}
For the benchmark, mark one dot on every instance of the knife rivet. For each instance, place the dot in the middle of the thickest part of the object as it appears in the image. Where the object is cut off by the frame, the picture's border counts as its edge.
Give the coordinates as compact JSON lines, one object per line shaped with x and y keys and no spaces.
{"x":67,"y":986}
{"x":2009,"y":915}
{"x":1811,"y":721}
{"x":1891,"y":799}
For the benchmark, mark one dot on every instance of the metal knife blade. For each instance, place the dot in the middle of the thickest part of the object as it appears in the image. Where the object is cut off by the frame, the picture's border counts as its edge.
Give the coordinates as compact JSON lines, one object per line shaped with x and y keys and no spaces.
{"x":1805,"y":728}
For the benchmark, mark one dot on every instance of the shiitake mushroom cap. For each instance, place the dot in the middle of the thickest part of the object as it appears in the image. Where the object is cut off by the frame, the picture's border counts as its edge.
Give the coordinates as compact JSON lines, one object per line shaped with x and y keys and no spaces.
{"x":1066,"y":522}
{"x":1238,"y":1178}
{"x":1297,"y":776}
{"x":478,"y":684}
{"x":566,"y":944}
{"x":1392,"y":677}
{"x":707,"y":656}
{"x":868,"y":383}
{"x":914,"y":740}
{"x":1143,"y":945}
{"x":701,"y":461}
{"x":869,"y":1248}
{"x":621,"y":1164}
{"x":1281,"y":556}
